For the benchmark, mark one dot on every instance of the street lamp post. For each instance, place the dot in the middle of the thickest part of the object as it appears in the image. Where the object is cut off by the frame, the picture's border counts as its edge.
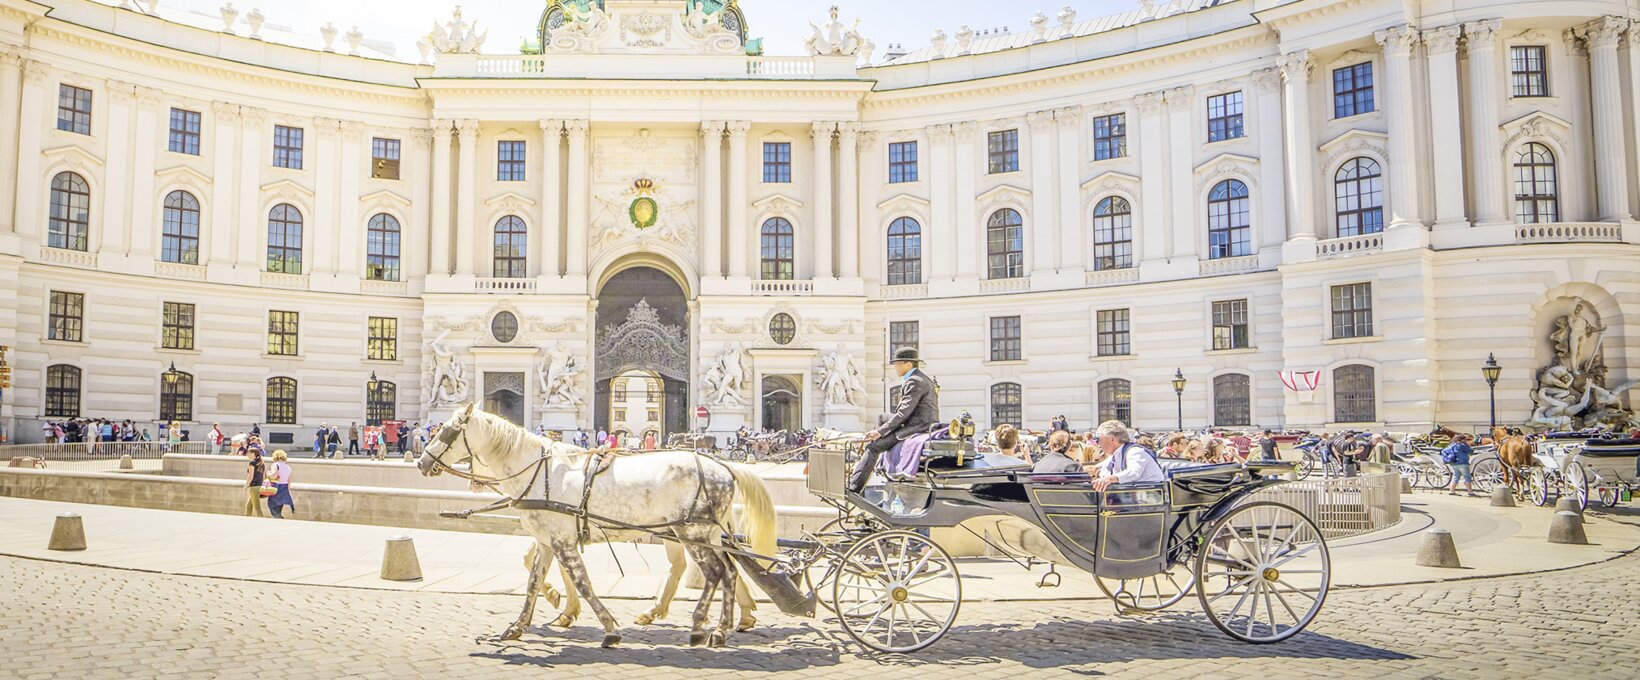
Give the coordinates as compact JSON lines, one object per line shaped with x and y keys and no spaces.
{"x":1490,"y":370}
{"x":1178,"y":393}
{"x":370,"y":396}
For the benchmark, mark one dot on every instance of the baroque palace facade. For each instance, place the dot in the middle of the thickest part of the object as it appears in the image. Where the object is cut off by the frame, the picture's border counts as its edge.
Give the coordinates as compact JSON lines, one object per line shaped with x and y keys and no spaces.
{"x":205,"y":223}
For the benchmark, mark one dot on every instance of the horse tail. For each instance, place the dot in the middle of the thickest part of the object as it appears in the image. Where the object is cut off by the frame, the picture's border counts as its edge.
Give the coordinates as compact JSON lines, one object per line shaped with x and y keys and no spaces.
{"x":756,"y":518}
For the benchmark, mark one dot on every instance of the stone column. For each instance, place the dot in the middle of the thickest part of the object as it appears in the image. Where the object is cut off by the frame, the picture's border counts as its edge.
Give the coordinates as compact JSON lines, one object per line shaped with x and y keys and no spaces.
{"x":1042,"y":229}
{"x":251,"y":229}
{"x":737,"y":198}
{"x":1404,"y":176}
{"x":939,"y":243}
{"x":1182,"y":124}
{"x":466,"y":197}
{"x":321,"y":233}
{"x":28,"y":200}
{"x":416,"y":231}
{"x":1606,"y":103}
{"x":1632,"y":37}
{"x":551,"y":230}
{"x":870,"y":240}
{"x":351,"y":227}
{"x":439,"y":259}
{"x":580,"y":187}
{"x":1485,"y":152}
{"x":1152,"y":208}
{"x":969,"y":233}
{"x":224,"y":151}
{"x":114,"y":214}
{"x":711,"y":198}
{"x":1446,"y":126}
{"x":848,"y":202}
{"x":1073,"y":240}
{"x":145,"y":205}
{"x":1295,"y":77}
{"x":1272,"y":163}
{"x":821,"y":133}
{"x":11,"y":90}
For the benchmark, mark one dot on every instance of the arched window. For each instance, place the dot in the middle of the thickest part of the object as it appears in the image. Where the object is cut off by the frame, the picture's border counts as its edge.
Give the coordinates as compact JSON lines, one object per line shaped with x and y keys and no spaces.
{"x":1232,"y":400}
{"x":1228,"y":234}
{"x":1112,"y":234}
{"x":381,"y":260}
{"x":1116,"y":400}
{"x":904,"y":252}
{"x":281,"y":402}
{"x":1007,"y":404}
{"x":1537,"y":189}
{"x":179,"y":231}
{"x":285,"y":239}
{"x":511,"y":260}
{"x":1355,"y":394}
{"x":381,"y":402}
{"x":70,"y":212}
{"x":1005,"y":245}
{"x":176,"y":396}
{"x":1358,"y":197}
{"x":778,"y":251}
{"x":62,"y":391}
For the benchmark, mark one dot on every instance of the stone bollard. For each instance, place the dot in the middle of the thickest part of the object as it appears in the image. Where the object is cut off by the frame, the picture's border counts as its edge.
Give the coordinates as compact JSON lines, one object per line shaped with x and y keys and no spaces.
{"x":125,"y":462}
{"x":1569,"y":504}
{"x":1503,"y":497}
{"x":1567,"y":527}
{"x":67,"y":533}
{"x":1438,"y":550}
{"x":1406,"y":485}
{"x":399,"y":562}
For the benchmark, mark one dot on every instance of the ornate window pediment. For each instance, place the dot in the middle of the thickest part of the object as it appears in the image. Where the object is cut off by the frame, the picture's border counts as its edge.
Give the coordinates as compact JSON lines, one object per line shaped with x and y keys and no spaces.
{"x":905,"y":204}
{"x":71,"y":157}
{"x":777,"y":205}
{"x":1004,"y":196}
{"x":1355,"y":143}
{"x":183,"y":176}
{"x":1534,"y":125}
{"x":287,"y":190}
{"x":510,"y":203}
{"x":1223,"y":166}
{"x":1108,"y":183}
{"x":377,"y":201}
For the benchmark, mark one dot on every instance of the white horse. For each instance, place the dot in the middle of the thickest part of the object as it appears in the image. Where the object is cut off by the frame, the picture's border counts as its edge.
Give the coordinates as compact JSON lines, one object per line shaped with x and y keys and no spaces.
{"x":678,"y":493}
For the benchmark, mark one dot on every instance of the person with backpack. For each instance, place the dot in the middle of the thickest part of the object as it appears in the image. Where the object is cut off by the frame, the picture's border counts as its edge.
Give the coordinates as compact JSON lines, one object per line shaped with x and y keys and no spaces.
{"x":335,"y":439}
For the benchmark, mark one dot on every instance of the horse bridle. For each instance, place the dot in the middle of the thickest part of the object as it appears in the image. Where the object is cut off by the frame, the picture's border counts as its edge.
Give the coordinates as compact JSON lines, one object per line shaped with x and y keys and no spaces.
{"x":448,"y":436}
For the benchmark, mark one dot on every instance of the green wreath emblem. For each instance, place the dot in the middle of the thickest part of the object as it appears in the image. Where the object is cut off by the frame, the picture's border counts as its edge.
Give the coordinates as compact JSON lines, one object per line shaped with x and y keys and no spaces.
{"x":643,"y":211}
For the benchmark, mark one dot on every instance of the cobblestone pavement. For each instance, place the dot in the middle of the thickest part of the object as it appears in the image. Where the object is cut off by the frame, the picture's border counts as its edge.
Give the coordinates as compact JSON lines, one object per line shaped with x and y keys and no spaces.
{"x":74,"y":621}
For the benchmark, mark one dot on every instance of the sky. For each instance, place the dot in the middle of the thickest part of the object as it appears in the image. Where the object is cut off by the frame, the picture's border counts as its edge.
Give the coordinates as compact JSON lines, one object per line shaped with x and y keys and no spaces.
{"x":782,"y":23}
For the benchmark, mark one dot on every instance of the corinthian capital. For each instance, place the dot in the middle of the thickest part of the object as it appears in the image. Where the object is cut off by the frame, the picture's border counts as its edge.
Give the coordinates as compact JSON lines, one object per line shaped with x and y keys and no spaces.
{"x":1040,"y":121}
{"x":711,"y":131}
{"x":1295,"y":66}
{"x":10,"y":55}
{"x":1149,"y":103}
{"x":1397,"y":40}
{"x":938,"y":133}
{"x":225,"y":111}
{"x":821,"y":130}
{"x":1604,"y":32}
{"x":738,"y":129}
{"x":1442,"y":40}
{"x":36,"y":71}
{"x":467,"y":127}
{"x":1267,"y":79}
{"x":1481,"y":34}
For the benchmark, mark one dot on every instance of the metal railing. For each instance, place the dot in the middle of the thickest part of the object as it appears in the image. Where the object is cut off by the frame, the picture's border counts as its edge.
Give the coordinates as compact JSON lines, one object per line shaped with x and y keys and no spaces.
{"x":101,"y":455}
{"x":1343,"y":506}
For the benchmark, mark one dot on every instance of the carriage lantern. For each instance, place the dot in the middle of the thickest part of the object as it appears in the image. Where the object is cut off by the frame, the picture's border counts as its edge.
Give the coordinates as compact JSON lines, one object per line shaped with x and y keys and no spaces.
{"x":1178,"y":393}
{"x":1491,"y":370}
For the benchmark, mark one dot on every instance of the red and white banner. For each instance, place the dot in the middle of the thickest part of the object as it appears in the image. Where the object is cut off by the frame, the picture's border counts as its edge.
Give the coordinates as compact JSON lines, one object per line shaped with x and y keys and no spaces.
{"x":1301,"y":381}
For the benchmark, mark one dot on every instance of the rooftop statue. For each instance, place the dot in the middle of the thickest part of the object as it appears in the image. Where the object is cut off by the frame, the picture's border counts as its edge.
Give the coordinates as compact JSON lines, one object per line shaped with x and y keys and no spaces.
{"x":456,"y":35}
{"x":834,"y":39}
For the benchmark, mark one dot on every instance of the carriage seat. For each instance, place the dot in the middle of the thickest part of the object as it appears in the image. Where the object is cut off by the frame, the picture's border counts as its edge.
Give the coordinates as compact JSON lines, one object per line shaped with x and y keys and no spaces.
{"x":1611,"y":447}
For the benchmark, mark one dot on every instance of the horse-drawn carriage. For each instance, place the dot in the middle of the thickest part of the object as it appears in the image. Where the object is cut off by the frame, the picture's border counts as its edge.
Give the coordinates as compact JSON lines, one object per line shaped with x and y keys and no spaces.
{"x":1576,"y":464}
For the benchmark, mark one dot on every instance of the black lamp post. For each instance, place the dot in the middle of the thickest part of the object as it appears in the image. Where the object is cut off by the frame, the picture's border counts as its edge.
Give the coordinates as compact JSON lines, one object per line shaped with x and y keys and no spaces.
{"x":1491,"y":369}
{"x":370,"y":397}
{"x":1178,"y":393}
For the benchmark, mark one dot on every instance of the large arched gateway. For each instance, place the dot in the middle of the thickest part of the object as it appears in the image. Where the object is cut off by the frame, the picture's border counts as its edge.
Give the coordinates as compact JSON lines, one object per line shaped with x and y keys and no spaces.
{"x":642,"y":339}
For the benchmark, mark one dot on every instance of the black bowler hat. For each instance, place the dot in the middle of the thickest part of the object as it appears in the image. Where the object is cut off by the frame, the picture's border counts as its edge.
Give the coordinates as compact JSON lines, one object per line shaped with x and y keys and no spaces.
{"x":906,"y":354}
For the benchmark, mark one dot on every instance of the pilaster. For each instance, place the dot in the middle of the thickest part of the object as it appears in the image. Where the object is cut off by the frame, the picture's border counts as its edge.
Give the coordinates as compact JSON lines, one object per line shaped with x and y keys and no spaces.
{"x":848,"y":201}
{"x":11,"y":90}
{"x":224,"y":151}
{"x":1072,"y":249}
{"x":711,"y":199}
{"x":466,"y":198}
{"x":1406,"y":225}
{"x":1182,"y":127}
{"x":1485,"y":155}
{"x":737,"y":198}
{"x":145,"y":205}
{"x":251,"y":228}
{"x":438,"y":263}
{"x":1446,"y":128}
{"x":549,"y":224}
{"x":967,"y":160}
{"x":820,"y":133}
{"x":1606,"y":104}
{"x":1152,"y":147}
{"x":113,"y":235}
{"x":580,"y":171}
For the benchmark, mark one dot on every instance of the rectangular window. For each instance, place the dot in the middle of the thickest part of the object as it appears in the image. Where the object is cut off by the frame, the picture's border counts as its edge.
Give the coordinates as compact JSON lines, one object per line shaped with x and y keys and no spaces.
{"x":282,"y":327}
{"x":902,"y":162}
{"x":384,"y":158}
{"x":1352,"y":90}
{"x":1352,"y":310}
{"x":1110,"y":137}
{"x":1112,"y":332}
{"x":1230,"y":324}
{"x":287,"y":147}
{"x":1224,"y":117}
{"x":74,"y":109}
{"x":1529,"y":70}
{"x":185,"y":132}
{"x":1005,"y":343}
{"x":509,"y":161}
{"x":67,"y":317}
{"x":383,"y":344}
{"x":903,"y":334}
{"x":177,"y":331}
{"x":1002,"y":151}
{"x":777,"y":162}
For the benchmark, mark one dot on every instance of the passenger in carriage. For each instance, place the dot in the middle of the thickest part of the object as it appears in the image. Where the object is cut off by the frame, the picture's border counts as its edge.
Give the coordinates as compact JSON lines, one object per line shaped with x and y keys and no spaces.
{"x":1058,"y":460}
{"x":1124,"y":461}
{"x":1008,"y":444}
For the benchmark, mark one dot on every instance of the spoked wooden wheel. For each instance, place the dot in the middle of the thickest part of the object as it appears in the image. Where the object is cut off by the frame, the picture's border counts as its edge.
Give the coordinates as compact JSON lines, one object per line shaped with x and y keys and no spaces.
{"x":1578,"y":478}
{"x":1410,"y":473}
{"x":1488,"y":475}
{"x":1151,"y":593}
{"x":1538,"y":486}
{"x":1438,"y":476}
{"x":1263,"y":573}
{"x":1609,"y":496}
{"x":897,"y":592}
{"x":1307,"y":464}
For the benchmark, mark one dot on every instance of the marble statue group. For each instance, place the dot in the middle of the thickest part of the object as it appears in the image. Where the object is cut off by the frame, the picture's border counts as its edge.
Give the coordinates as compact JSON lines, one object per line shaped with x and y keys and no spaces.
{"x":1571,"y":393}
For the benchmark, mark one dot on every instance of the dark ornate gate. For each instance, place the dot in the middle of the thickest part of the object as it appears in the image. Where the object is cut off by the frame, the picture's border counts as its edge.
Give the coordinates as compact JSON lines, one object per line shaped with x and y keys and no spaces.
{"x":642,"y":326}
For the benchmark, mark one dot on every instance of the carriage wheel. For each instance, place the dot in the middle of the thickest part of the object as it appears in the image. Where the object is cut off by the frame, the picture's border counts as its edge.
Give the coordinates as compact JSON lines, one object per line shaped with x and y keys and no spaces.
{"x":1263,"y":573}
{"x":1609,"y":496}
{"x":1578,"y":478}
{"x":1437,"y":476}
{"x":1307,"y":464}
{"x":897,"y":592}
{"x":1410,"y":473}
{"x":1151,"y":593}
{"x":1538,"y":486}
{"x":1488,"y":475}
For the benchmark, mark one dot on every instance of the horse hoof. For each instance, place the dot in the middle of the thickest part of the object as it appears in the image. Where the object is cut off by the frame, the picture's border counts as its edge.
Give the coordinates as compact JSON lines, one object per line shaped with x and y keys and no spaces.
{"x":611,"y":640}
{"x":697,"y":639}
{"x":562,"y":622}
{"x":511,"y":634}
{"x":745,"y":624}
{"x":717,"y":640}
{"x":555,"y":599}
{"x":643,"y":620}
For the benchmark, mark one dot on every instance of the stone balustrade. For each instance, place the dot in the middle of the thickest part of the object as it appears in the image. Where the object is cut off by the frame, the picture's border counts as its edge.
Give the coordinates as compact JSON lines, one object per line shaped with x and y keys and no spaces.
{"x":1348,"y":245}
{"x":1569,"y":232}
{"x":1009,"y":285}
{"x":904,"y":291}
{"x":504,"y":286}
{"x":1111,"y":277}
{"x":286,"y":281}
{"x":177,"y":270}
{"x":782,"y":287}
{"x":72,"y":258}
{"x":1228,"y":265}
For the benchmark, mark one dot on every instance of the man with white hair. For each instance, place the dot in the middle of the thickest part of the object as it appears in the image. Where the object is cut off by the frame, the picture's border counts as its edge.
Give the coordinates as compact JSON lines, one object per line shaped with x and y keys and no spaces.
{"x":1124,"y":461}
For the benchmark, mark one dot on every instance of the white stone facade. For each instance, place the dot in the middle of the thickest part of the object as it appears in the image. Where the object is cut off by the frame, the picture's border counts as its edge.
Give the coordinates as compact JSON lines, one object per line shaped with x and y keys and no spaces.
{"x":1455,"y":274}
